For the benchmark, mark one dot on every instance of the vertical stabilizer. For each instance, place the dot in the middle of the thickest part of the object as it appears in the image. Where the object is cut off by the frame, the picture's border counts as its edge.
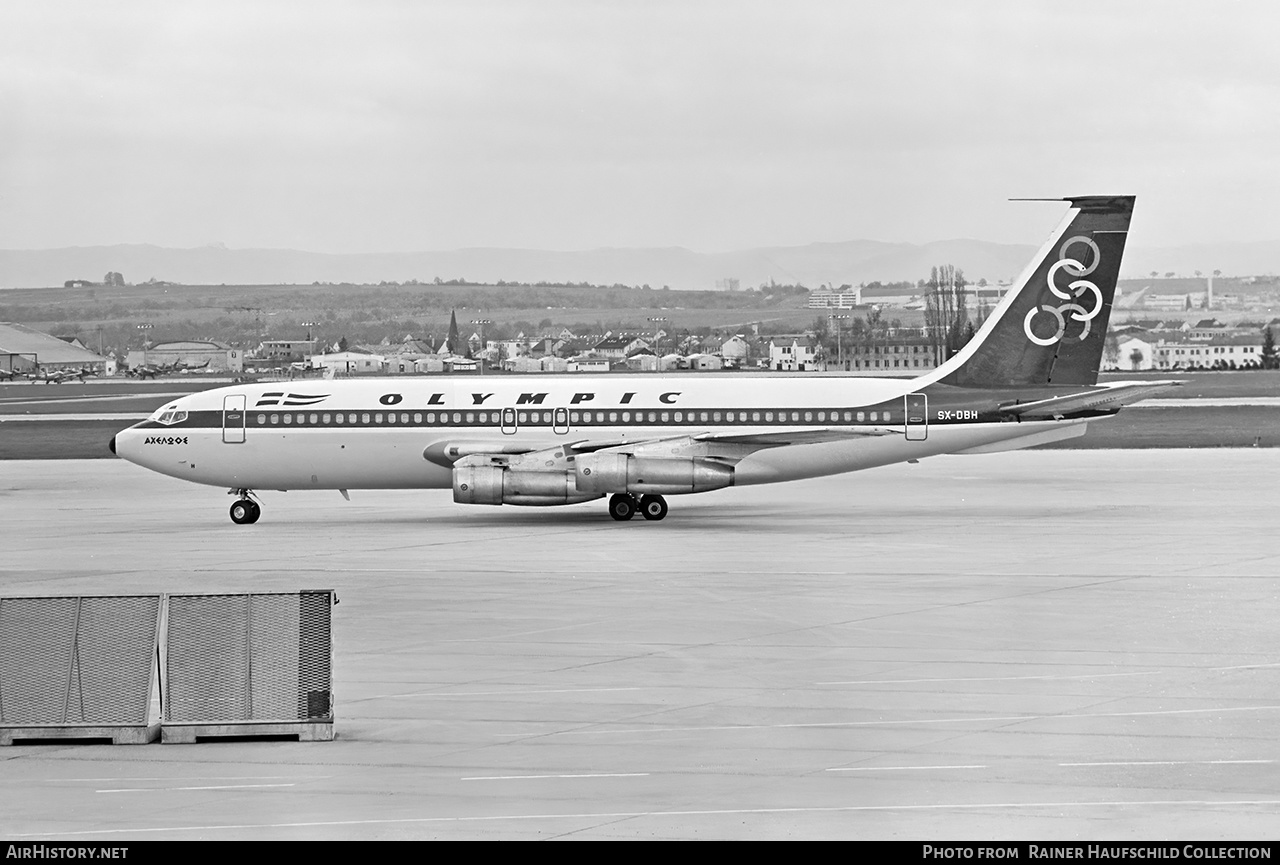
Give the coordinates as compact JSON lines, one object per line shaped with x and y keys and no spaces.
{"x":1051,"y":327}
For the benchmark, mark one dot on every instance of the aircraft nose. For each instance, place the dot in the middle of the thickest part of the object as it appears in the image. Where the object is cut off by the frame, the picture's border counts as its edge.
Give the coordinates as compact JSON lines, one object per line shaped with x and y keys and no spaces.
{"x":112,"y":445}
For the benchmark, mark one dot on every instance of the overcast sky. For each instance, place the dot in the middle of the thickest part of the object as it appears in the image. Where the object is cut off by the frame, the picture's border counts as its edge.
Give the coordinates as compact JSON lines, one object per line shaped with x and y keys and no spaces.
{"x":387,"y":126}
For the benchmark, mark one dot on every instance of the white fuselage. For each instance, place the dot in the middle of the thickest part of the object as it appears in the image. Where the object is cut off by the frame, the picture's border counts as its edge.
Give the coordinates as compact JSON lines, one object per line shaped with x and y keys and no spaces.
{"x":372,"y":433}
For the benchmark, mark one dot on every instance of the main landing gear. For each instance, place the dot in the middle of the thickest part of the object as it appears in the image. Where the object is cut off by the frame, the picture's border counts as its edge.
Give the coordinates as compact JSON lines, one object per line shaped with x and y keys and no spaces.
{"x":245,"y":511}
{"x":623,"y":506}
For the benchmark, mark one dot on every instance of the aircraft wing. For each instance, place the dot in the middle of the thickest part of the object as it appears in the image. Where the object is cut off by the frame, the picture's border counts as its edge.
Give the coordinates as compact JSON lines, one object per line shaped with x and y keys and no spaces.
{"x":783,"y":437}
{"x":1111,"y":396}
{"x":723,"y":446}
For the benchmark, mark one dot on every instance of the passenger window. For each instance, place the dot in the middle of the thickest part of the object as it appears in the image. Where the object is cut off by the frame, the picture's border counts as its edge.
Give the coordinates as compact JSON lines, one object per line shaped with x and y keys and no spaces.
{"x":288,"y":418}
{"x":339,"y":417}
{"x":275,"y":418}
{"x":768,"y":417}
{"x":404,"y":418}
{"x":524,"y":418}
{"x":755,"y":417}
{"x":703,"y":417}
{"x":795,"y":416}
{"x":679,"y":417}
{"x":471,"y":417}
{"x":715,"y":417}
{"x":417,"y":417}
{"x":613,"y":417}
{"x":262,"y":418}
{"x":364,"y":418}
{"x":431,"y":417}
{"x":315,"y":419}
{"x":626,"y":417}
{"x":653,"y":417}
{"x":457,"y":417}
{"x":874,"y":416}
{"x":822,"y":415}
{"x":573,"y":416}
{"x":666,"y":416}
{"x":848,"y":416}
{"x":325,"y":418}
{"x":861,"y":417}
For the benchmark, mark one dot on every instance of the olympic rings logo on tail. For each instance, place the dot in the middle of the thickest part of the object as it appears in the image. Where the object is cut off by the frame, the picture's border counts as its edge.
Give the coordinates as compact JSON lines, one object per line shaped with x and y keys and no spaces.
{"x":1077,"y":289}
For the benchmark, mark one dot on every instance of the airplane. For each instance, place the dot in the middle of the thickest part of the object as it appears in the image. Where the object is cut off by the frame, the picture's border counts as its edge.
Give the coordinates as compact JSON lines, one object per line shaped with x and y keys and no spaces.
{"x":1028,"y":377}
{"x":58,"y":376}
{"x":152,"y":370}
{"x":144,"y":371}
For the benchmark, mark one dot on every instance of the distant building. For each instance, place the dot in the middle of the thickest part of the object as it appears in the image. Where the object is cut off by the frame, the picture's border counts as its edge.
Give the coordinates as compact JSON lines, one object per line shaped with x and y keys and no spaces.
{"x":349,"y":363}
{"x":735,"y":350}
{"x":620,"y":346}
{"x":210,"y":354}
{"x":900,"y":352}
{"x":833,"y":299}
{"x":792,"y":353}
{"x":888,"y":295}
{"x":286,"y":350}
{"x":1136,"y":353}
{"x":588,"y":364}
{"x":1228,"y":350}
{"x":25,"y":349}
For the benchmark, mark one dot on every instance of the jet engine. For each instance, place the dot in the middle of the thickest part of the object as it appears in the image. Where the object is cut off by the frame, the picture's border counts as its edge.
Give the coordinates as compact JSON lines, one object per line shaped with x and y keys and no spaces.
{"x":610,"y":472}
{"x":497,"y":485}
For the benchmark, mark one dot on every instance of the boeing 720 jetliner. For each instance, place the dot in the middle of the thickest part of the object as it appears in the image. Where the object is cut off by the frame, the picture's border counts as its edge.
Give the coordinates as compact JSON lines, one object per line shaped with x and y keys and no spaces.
{"x":1029,"y":376}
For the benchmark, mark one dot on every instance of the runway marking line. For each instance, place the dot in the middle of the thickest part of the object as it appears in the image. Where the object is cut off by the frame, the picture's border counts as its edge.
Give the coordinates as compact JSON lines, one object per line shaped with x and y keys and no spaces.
{"x":1171,"y":763}
{"x":901,"y":722}
{"x":189,"y":778}
{"x":986,"y":679}
{"x":897,"y":768}
{"x":618,"y":815}
{"x":538,"y":777}
{"x":491,"y":693}
{"x":210,"y":787}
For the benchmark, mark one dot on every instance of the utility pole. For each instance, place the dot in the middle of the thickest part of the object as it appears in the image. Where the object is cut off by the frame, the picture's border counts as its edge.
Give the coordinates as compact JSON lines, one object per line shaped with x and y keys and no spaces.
{"x":657,"y":322}
{"x":482,"y":322}
{"x":144,"y":328}
{"x":311,"y":346}
{"x":838,"y":321}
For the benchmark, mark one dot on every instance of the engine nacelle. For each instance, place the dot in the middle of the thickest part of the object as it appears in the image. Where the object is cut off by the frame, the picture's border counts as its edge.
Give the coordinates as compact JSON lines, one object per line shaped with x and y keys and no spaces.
{"x":495,"y":485}
{"x":623,"y":473}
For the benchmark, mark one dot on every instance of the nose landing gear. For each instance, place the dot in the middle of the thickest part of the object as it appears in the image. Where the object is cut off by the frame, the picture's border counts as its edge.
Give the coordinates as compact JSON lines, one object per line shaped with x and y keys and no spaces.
{"x":245,"y":511}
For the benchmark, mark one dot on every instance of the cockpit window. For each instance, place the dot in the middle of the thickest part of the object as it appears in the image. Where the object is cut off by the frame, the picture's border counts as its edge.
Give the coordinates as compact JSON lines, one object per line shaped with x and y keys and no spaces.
{"x":171,"y":416}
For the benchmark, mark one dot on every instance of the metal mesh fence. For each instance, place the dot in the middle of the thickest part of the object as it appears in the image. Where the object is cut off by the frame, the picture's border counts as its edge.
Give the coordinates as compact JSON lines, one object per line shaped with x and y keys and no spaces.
{"x":77,"y":660}
{"x":253,"y":657}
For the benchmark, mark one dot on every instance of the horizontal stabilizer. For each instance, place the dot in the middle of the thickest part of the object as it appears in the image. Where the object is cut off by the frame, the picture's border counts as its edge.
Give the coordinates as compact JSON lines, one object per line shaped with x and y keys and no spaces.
{"x":1105,"y":398}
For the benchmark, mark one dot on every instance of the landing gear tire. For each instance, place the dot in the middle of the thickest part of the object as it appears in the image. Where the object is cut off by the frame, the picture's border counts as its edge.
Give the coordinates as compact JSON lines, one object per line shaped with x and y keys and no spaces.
{"x":622,"y":507}
{"x":245,"y":512}
{"x":653,"y":507}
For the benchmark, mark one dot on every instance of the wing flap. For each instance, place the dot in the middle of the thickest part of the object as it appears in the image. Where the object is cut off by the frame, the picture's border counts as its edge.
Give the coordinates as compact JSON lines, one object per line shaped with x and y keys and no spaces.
{"x":800,"y":436}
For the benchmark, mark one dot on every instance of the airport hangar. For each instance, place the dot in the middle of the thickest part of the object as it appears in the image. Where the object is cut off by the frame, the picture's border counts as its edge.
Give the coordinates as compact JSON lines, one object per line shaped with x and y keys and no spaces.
{"x":26,"y":350}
